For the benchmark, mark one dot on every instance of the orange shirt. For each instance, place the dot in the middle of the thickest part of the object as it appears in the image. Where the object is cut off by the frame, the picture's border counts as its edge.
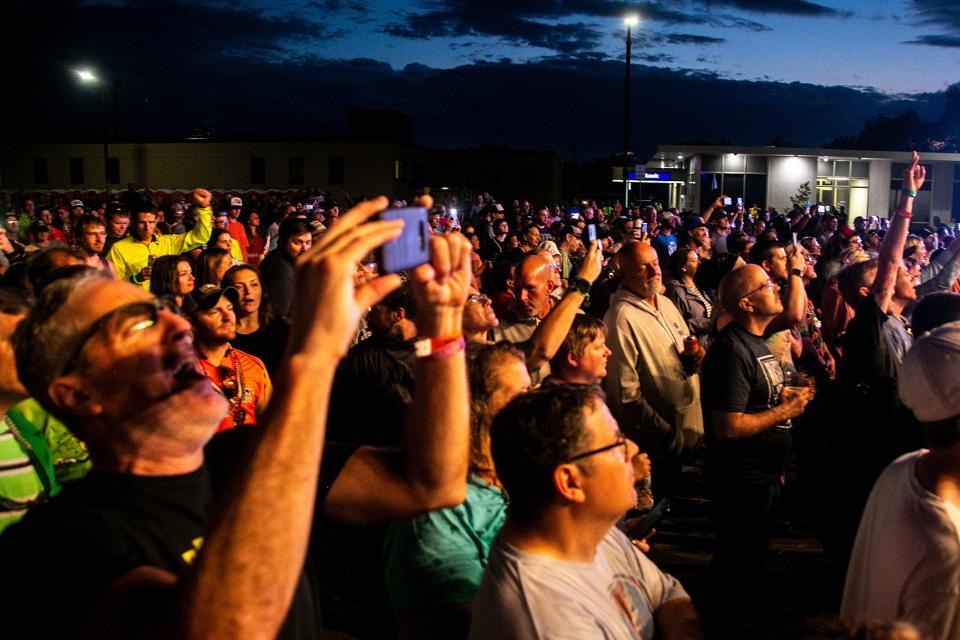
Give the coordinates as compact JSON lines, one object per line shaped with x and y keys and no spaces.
{"x":255,"y":383}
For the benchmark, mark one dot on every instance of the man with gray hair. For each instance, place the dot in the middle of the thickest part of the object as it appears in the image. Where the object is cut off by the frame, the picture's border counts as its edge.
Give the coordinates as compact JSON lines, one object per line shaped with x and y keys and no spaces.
{"x":906,"y":561}
{"x":177,"y":533}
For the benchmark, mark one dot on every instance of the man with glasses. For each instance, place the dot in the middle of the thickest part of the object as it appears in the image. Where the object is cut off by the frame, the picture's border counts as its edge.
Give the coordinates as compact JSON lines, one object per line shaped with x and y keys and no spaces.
{"x":747,"y":410}
{"x":179,"y":533}
{"x":560,"y":568}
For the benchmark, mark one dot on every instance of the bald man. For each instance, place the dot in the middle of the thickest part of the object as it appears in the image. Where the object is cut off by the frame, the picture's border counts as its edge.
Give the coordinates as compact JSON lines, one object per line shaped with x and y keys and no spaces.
{"x":538,"y":322}
{"x":748,"y":412}
{"x":650,"y":389}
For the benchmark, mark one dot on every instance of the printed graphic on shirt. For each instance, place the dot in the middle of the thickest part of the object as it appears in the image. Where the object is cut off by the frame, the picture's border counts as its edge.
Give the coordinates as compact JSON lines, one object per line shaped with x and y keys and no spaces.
{"x":630,"y":599}
{"x":773,"y":375}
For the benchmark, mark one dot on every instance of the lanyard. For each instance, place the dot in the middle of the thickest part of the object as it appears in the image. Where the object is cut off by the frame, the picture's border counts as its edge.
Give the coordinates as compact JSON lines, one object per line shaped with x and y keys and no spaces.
{"x":231,"y":388}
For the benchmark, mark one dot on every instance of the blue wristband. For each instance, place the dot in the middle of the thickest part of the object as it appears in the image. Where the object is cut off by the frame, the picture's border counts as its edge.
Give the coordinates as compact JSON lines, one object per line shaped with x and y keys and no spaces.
{"x":907,"y":192}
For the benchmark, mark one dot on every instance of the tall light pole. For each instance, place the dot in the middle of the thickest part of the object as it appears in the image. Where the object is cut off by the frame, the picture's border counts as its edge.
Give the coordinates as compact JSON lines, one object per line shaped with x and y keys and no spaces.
{"x":630,"y":21}
{"x":87,"y":76}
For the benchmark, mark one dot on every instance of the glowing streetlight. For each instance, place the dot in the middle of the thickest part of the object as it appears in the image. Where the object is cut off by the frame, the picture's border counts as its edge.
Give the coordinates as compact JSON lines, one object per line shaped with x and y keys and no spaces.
{"x":87,"y":76}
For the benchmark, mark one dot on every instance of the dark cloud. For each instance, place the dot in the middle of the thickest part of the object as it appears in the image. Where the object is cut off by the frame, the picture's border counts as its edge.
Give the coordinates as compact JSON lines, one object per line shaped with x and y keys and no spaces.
{"x":786,"y":7}
{"x":533,"y":23}
{"x":950,"y":42}
{"x":944,"y":14}
{"x":338,"y":6}
{"x":686,"y":38}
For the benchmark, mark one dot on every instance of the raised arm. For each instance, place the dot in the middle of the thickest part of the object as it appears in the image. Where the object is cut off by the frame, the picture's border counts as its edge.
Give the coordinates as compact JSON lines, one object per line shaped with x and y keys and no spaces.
{"x":891,"y":250}
{"x":200,"y":233}
{"x":717,"y":204}
{"x":430,"y":471}
{"x":550,"y":333}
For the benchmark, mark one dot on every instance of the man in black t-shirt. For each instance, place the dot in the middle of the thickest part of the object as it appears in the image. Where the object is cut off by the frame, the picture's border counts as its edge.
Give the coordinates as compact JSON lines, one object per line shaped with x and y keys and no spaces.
{"x":747,"y":411}
{"x":176,"y":533}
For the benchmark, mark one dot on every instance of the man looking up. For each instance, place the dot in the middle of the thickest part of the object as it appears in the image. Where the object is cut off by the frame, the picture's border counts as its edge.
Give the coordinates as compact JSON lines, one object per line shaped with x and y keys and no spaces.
{"x":559,"y":567}
{"x":132,"y":257}
{"x":535,"y":319}
{"x":748,"y":411}
{"x":652,"y":390}
{"x":176,"y":535}
{"x":240,"y":377}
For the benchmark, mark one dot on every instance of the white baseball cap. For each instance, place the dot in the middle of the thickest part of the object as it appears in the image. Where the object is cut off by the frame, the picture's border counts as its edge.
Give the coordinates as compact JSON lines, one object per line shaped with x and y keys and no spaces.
{"x":929,"y":378}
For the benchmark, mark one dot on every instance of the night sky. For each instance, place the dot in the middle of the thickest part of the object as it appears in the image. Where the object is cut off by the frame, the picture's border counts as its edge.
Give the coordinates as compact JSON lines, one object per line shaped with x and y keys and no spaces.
{"x":535,"y":74}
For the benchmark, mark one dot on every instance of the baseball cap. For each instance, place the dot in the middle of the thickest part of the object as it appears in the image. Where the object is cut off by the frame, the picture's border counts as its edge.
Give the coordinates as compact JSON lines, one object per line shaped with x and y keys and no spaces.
{"x":206,"y":297}
{"x":236,"y":202}
{"x":928,"y":380}
{"x":550,"y":247}
{"x":76,"y":203}
{"x":693,"y":222}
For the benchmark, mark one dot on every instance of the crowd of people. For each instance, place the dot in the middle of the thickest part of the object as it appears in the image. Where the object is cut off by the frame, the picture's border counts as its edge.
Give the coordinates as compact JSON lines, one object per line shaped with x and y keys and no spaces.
{"x":198,"y":391}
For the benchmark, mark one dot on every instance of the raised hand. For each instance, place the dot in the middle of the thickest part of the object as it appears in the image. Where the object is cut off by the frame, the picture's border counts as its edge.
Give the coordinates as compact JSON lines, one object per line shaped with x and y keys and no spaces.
{"x":202,"y":197}
{"x":327,"y":304}
{"x":914,"y":175}
{"x":441,"y":286}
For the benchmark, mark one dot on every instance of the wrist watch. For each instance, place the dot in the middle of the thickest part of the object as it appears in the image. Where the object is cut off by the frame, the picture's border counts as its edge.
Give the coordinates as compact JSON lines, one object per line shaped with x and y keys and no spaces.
{"x":796,"y":272}
{"x":578,"y":284}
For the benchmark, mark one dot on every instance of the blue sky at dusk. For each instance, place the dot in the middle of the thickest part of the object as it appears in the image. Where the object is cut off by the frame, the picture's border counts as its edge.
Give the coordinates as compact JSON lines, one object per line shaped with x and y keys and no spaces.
{"x":528,"y":74}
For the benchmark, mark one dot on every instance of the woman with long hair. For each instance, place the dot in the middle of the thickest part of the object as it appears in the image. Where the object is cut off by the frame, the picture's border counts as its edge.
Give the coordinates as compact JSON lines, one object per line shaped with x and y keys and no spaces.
{"x":433,"y":563}
{"x":260,"y":331}
{"x":692,"y":303}
{"x":172,"y":276}
{"x":257,"y":246}
{"x":212,"y":264}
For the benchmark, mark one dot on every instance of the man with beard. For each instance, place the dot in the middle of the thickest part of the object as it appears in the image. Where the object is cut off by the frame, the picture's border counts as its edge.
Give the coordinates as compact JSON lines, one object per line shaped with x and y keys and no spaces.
{"x":240,"y":377}
{"x":90,"y":235}
{"x":652,"y":387}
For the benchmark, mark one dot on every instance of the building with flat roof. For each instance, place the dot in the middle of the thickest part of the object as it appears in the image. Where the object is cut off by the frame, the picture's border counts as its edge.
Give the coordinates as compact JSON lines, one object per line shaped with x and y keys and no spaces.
{"x":861,"y":182}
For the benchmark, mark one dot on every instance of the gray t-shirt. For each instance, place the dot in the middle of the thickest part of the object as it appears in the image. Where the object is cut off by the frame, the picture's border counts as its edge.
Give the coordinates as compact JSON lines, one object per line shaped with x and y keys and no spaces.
{"x":525,"y":596}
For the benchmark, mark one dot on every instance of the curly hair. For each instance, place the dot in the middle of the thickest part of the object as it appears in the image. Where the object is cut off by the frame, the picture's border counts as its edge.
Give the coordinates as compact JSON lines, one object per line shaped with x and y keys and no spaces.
{"x":483,"y":362}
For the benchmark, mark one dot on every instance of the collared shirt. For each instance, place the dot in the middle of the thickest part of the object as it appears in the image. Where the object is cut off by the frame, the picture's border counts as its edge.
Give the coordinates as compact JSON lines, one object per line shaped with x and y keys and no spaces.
{"x":130,"y":255}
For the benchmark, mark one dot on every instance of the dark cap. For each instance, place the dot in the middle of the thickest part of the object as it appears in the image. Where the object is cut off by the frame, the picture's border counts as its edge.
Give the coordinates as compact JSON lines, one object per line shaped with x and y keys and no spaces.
{"x":206,"y":297}
{"x":693,"y":222}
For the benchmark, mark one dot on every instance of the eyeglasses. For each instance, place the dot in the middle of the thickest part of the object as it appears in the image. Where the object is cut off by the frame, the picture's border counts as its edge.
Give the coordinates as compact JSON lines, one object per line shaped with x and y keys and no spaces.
{"x":766,"y":285}
{"x":621,"y":442}
{"x":478,"y":298}
{"x":125,"y":320}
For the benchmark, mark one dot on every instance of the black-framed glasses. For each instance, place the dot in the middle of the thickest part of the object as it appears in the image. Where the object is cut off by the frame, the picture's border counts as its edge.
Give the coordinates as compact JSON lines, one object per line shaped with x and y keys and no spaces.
{"x":620,"y":442}
{"x":127,"y":319}
{"x":766,"y":285}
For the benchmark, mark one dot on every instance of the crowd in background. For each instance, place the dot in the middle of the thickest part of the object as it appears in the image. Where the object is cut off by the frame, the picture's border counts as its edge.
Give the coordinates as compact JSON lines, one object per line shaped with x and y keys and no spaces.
{"x":550,"y":375}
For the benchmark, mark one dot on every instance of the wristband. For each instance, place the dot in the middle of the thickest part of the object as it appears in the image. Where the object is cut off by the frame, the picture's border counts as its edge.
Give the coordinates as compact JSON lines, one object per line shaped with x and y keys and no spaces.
{"x":456,"y":346}
{"x":428,"y":346}
{"x":906,"y":214}
{"x":907,"y":192}
{"x":134,"y":279}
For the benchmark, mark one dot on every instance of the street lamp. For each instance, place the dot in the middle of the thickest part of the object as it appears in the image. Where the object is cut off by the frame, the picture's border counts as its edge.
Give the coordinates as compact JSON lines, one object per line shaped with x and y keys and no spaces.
{"x":87,"y":76}
{"x":630,"y":21}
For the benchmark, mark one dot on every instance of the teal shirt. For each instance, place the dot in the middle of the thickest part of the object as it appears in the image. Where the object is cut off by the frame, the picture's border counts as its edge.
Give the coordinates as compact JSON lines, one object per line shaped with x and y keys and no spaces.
{"x":438,"y":557}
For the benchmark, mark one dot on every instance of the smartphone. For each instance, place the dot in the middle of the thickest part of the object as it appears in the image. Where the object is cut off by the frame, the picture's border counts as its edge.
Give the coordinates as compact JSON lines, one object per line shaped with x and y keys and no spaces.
{"x":639,"y":528}
{"x":644,"y":226}
{"x":574,"y":216}
{"x":821,"y":208}
{"x":739,"y":201}
{"x":592,"y":235}
{"x":308,"y":207}
{"x":412,"y":248}
{"x":727,"y":201}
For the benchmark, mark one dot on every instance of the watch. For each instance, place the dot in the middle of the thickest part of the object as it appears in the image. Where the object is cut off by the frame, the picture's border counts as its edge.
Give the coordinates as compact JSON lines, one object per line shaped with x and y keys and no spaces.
{"x":578,"y":284}
{"x":796,"y":272}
